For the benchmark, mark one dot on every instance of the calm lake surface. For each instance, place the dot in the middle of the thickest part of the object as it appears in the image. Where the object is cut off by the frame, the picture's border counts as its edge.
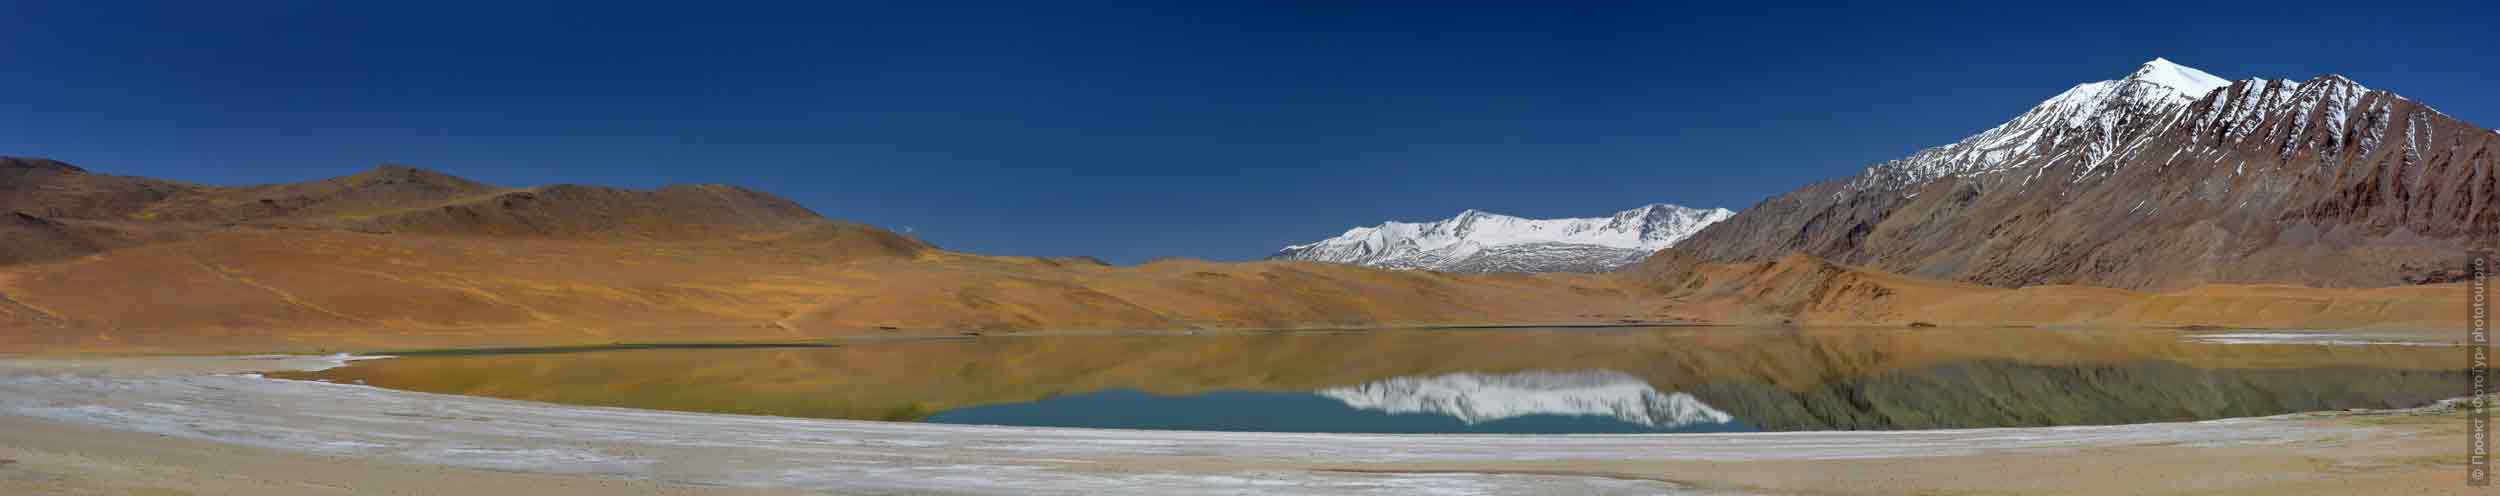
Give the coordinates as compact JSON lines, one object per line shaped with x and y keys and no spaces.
{"x":1547,"y":381}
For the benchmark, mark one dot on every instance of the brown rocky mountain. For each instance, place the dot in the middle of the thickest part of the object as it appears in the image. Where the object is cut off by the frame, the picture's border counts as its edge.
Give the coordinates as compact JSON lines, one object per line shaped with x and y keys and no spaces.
{"x":2165,"y":179}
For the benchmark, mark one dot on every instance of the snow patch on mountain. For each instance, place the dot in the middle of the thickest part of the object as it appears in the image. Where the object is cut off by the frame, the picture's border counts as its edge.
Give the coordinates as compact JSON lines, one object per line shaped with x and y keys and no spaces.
{"x":1478,"y":398}
{"x":1478,"y":241}
{"x":2188,"y":80}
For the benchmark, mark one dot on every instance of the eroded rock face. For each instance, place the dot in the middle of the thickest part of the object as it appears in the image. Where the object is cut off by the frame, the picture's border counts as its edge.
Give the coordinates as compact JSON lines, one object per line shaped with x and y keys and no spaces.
{"x":2155,"y":183}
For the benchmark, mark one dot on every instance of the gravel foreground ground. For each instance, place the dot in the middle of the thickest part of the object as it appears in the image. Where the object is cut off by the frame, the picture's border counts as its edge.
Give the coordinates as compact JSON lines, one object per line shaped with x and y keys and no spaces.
{"x":208,"y":426}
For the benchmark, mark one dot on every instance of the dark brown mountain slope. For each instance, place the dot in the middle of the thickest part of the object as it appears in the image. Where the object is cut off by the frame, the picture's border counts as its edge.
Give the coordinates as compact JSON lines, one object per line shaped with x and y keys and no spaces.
{"x":2133,"y":185}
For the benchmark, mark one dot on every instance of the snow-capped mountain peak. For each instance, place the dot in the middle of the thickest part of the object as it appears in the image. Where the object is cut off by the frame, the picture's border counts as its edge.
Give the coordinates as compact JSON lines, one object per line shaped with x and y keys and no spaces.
{"x":2194,"y":83}
{"x":2143,"y":182}
{"x":2096,"y":122}
{"x":1480,"y":241}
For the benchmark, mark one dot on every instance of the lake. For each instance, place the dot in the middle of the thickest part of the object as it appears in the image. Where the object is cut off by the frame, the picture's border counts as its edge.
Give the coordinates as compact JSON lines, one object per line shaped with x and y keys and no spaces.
{"x":1510,"y":381}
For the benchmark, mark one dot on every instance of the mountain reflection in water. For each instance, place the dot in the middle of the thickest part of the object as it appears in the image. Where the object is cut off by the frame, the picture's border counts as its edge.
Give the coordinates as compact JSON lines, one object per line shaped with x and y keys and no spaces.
{"x":1477,"y":398}
{"x":1515,"y":381}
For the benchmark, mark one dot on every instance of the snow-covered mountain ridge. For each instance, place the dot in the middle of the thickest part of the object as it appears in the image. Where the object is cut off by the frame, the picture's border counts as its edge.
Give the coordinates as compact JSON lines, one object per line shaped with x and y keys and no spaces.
{"x":1478,"y":241}
{"x":2102,"y":117}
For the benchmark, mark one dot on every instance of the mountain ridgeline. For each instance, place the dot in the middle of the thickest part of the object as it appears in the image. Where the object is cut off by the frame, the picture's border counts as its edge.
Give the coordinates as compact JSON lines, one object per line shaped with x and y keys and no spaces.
{"x":2164,"y":179}
{"x":56,"y":210}
{"x":1478,"y":241}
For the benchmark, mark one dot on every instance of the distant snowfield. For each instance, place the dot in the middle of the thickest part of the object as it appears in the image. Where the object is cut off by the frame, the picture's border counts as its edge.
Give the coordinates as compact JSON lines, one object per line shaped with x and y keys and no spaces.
{"x":863,"y":456}
{"x":1479,"y":241}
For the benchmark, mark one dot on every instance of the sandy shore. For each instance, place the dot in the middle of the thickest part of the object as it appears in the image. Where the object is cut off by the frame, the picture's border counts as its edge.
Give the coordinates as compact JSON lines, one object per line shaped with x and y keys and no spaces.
{"x":202,"y":426}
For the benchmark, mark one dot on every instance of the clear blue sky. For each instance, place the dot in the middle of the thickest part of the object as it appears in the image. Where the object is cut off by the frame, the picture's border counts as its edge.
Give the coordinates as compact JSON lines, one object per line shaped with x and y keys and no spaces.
{"x":1130,"y":132}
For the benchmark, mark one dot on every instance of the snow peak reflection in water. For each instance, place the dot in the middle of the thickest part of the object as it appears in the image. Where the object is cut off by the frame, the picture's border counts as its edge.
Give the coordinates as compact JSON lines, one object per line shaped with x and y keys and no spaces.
{"x":1478,"y":398}
{"x":1521,"y":403}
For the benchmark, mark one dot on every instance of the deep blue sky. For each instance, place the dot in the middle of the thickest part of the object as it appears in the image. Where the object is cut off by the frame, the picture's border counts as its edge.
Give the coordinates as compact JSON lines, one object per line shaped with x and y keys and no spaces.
{"x":1130,"y":132}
